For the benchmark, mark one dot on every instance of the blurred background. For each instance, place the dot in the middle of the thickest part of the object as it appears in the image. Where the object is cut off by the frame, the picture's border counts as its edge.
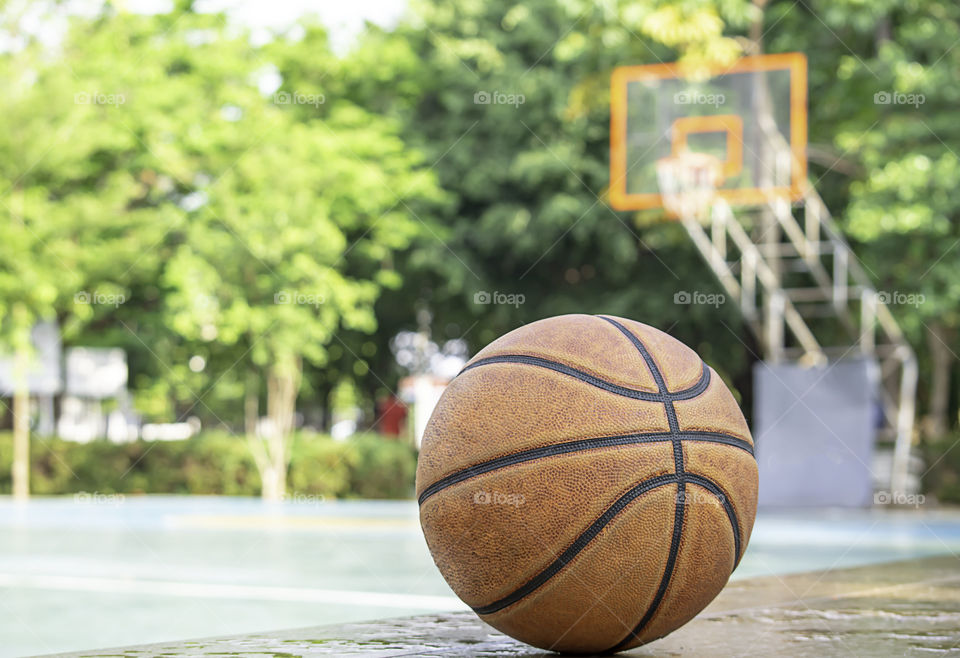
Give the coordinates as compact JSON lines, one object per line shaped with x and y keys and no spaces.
{"x":245,"y":245}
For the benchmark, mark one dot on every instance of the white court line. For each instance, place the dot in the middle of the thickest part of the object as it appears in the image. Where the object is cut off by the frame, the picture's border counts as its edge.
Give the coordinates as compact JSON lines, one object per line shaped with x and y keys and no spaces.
{"x":222,"y":591}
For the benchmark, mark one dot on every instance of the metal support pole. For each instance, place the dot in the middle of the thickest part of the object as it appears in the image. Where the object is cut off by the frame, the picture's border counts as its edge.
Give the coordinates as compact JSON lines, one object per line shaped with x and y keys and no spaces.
{"x":868,"y":321}
{"x":905,"y":417}
{"x":840,"y":264}
{"x":774,"y":326}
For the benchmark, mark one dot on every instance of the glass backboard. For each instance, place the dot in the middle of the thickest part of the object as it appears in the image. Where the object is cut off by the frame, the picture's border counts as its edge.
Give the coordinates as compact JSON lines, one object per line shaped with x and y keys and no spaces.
{"x":751,"y":115}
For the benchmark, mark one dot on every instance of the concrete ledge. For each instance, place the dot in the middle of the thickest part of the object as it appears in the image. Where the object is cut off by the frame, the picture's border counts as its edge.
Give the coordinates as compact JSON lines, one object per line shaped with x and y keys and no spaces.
{"x":891,"y":609}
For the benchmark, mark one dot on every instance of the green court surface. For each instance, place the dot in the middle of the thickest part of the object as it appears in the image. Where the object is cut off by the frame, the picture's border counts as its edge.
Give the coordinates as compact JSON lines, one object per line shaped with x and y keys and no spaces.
{"x":80,"y":575}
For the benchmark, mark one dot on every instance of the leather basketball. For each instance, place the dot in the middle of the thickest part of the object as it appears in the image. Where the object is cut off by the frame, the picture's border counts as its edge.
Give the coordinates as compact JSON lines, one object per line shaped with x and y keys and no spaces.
{"x":587,"y":484}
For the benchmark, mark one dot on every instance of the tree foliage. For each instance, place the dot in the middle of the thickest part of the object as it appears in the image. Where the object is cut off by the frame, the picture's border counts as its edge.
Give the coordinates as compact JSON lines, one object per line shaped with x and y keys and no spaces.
{"x":282,"y":212}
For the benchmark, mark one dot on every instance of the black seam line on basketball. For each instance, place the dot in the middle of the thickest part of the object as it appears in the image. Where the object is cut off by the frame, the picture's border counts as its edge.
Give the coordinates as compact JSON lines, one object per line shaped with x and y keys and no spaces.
{"x":579,"y":445}
{"x":724,"y":499}
{"x":679,"y":471}
{"x":658,"y":378}
{"x":715,"y":489}
{"x":667,"y":569}
{"x":578,"y":544}
{"x":651,"y":364}
{"x":587,"y":378}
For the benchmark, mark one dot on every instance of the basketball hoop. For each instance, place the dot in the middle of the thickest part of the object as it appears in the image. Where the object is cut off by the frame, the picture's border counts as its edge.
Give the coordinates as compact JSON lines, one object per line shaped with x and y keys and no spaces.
{"x":688,"y":183}
{"x":758,"y":101}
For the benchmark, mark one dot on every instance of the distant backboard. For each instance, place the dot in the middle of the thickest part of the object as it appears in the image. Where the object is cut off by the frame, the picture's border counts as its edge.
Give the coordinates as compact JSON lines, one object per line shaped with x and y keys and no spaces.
{"x":43,"y":370}
{"x":96,"y":372}
{"x":751,"y":115}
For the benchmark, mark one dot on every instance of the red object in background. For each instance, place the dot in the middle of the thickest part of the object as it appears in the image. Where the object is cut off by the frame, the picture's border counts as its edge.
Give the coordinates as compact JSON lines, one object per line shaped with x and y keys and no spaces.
{"x":391,"y":415}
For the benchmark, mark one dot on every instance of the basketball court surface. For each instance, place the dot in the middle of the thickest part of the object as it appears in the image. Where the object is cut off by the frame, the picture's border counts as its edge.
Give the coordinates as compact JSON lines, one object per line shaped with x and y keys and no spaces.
{"x":154,"y":569}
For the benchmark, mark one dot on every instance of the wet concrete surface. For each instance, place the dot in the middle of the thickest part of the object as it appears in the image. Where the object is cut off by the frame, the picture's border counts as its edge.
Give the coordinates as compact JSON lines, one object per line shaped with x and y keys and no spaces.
{"x":903,"y":608}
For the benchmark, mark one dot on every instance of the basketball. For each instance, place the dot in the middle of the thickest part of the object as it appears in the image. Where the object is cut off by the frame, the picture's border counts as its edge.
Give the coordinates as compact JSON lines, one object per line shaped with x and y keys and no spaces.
{"x":587,"y":484}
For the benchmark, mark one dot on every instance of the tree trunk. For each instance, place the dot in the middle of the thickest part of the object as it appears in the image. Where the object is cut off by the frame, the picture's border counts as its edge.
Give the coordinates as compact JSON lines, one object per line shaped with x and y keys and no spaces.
{"x":883,"y":33}
{"x":283,"y":384}
{"x":21,"y":429}
{"x":326,"y":416}
{"x":251,"y":405}
{"x":941,"y":361}
{"x":273,"y":483}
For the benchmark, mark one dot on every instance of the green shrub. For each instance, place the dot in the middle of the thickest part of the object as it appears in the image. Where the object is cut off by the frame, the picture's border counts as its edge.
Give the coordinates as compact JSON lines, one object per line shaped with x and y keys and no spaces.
{"x":384,"y":468}
{"x":320,"y":466}
{"x":367,"y":466}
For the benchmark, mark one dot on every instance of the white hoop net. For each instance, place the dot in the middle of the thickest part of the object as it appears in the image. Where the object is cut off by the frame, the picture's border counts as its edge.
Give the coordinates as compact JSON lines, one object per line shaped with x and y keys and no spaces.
{"x":688,"y":183}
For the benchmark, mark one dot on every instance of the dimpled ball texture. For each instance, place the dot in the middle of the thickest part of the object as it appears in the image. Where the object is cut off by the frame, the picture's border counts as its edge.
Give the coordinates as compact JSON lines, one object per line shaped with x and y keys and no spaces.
{"x":587,"y":484}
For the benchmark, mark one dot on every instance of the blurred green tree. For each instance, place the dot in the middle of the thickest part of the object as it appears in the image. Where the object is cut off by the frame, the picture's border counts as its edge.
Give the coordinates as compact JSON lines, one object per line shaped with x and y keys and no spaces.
{"x":272,"y":215}
{"x":159,"y":154}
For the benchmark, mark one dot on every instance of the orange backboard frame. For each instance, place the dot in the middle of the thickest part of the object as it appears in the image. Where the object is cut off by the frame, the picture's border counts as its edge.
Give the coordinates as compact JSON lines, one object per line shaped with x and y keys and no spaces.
{"x":795,"y":63}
